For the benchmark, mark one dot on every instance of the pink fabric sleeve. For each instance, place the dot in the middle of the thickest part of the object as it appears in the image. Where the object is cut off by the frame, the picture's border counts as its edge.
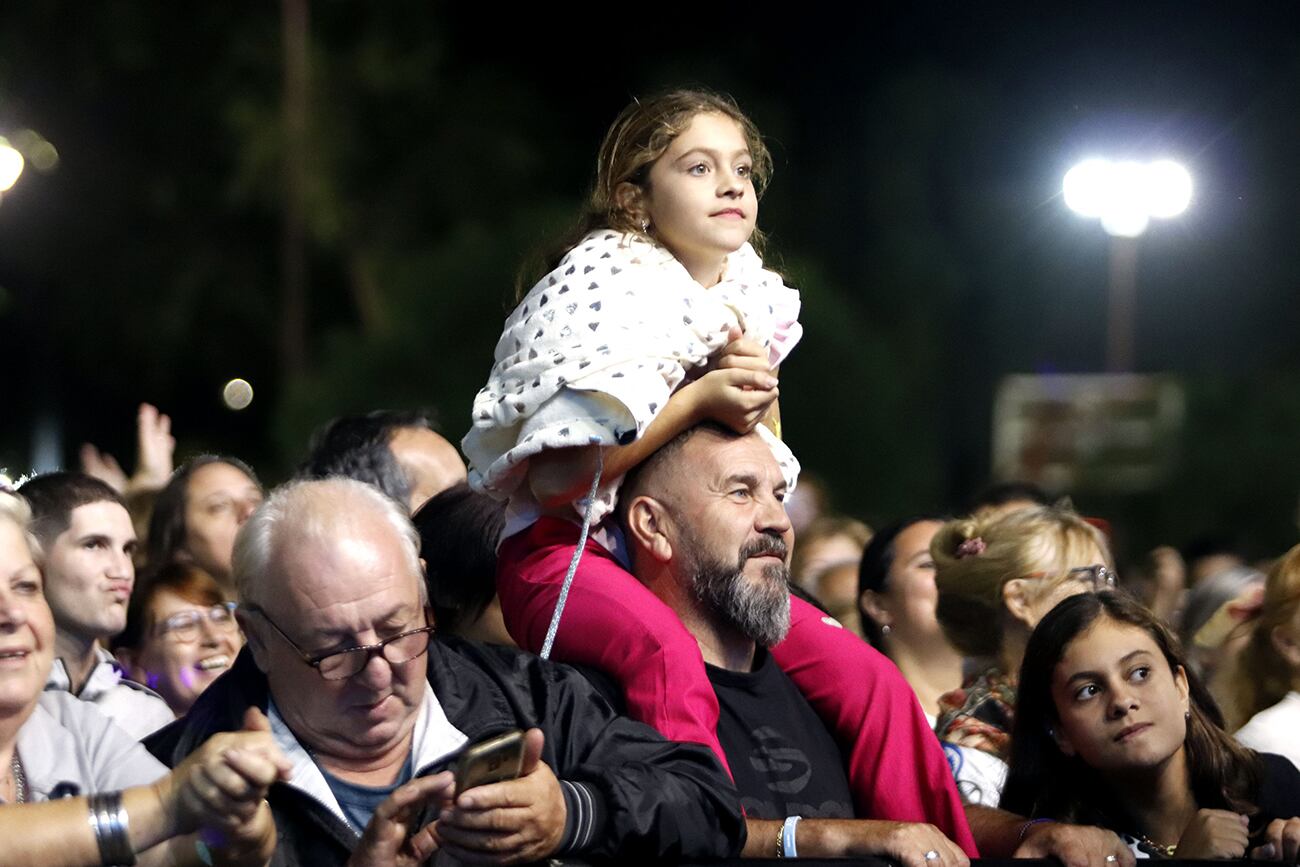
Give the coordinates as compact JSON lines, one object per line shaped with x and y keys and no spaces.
{"x":897,"y":768}
{"x":610,"y":622}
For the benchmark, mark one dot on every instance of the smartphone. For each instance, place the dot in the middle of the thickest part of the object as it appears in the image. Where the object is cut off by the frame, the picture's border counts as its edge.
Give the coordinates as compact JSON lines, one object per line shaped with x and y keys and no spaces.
{"x":490,"y":761}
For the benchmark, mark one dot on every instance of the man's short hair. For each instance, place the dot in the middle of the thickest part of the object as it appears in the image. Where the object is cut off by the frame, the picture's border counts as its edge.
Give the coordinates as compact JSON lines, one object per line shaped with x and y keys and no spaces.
{"x":294,"y":506}
{"x":357,"y":447}
{"x":54,"y":496}
{"x":637,"y":479}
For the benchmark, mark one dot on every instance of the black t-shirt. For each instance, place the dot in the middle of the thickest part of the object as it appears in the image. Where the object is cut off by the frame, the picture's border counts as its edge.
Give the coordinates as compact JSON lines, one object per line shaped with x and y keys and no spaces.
{"x":1279,"y":790}
{"x":784,"y":760}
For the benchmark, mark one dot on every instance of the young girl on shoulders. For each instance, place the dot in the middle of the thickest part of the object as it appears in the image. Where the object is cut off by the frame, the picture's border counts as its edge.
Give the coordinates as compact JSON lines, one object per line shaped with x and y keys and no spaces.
{"x":659,"y":317}
{"x":1112,"y":729}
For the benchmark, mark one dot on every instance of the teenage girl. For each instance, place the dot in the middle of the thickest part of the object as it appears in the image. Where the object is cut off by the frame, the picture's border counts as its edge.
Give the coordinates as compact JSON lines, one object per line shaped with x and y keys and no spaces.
{"x":661,"y":316}
{"x":1113,"y":729}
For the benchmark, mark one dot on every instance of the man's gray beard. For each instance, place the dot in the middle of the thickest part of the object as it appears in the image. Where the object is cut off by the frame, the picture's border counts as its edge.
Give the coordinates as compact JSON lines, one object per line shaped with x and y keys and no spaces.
{"x":758,"y":610}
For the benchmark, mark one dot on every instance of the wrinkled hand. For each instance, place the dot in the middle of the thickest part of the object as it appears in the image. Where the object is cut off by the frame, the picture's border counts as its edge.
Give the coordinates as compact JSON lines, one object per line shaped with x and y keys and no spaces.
{"x":1214,"y":834}
{"x":508,"y":822}
{"x":905,"y":842}
{"x":155,"y":447}
{"x":102,"y":466}
{"x":1075,"y":845}
{"x":221,"y":785}
{"x":1282,"y":842}
{"x":391,"y":839}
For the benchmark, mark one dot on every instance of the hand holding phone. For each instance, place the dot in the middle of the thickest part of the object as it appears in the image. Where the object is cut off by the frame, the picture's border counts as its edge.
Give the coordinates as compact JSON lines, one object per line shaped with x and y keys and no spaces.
{"x":490,"y":761}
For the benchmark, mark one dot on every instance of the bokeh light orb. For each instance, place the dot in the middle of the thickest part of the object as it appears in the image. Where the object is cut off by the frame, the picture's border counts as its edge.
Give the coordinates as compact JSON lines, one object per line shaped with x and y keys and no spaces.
{"x":237,"y":394}
{"x":11,"y":165}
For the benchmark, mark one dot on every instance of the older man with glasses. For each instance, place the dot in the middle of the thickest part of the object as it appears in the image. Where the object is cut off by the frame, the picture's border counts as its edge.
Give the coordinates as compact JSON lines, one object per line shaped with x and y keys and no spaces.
{"x":371,"y":713}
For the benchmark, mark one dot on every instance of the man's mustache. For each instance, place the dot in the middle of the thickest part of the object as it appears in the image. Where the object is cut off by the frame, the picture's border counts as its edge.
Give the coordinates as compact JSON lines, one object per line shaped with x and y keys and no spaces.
{"x":763,"y":545}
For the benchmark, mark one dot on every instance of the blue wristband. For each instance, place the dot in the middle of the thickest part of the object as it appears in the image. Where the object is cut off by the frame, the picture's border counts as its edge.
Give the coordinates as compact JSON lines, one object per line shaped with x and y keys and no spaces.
{"x":788,"y":849}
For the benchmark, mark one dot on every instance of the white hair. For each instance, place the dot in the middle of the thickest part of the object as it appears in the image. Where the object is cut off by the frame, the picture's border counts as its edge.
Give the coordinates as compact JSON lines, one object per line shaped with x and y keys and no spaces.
{"x":14,"y":508}
{"x":320,"y":509}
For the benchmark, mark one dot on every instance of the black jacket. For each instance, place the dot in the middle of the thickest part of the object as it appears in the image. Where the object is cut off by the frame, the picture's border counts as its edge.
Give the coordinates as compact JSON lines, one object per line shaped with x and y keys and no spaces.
{"x":655,"y":799}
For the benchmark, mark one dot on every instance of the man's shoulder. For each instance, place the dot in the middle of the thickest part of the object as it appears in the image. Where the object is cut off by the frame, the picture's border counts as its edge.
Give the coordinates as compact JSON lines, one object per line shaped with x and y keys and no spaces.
{"x":219,"y":708}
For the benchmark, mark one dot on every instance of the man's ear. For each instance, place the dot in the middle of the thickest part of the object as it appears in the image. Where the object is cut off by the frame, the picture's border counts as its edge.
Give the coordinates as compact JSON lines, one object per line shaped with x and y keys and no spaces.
{"x":646,"y":520}
{"x":1015,"y":596}
{"x":630,"y":199}
{"x":253,"y":636}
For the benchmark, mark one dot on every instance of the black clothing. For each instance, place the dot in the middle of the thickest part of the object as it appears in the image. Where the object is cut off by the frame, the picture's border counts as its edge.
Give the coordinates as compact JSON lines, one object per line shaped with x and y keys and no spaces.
{"x":654,"y":799}
{"x":784,"y":760}
{"x":1279,"y":790}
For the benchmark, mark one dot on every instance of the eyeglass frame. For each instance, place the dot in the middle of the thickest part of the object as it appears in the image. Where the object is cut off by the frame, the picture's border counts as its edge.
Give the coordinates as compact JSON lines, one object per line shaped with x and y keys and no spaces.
{"x":1103,"y":577}
{"x":315,"y":662}
{"x":205,"y":613}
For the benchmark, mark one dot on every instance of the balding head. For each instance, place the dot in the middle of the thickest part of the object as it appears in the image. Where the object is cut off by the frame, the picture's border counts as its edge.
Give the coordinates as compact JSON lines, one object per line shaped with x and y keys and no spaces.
{"x":314,"y":516}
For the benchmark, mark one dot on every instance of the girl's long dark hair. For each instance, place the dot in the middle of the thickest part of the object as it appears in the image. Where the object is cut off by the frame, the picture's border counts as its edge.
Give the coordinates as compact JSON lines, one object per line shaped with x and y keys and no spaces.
{"x":1044,"y":782}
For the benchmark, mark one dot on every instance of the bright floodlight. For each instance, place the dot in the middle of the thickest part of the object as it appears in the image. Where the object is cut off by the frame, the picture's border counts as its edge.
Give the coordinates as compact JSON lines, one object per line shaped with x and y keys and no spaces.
{"x":1169,"y":188}
{"x":1126,"y":195}
{"x":11,"y":165}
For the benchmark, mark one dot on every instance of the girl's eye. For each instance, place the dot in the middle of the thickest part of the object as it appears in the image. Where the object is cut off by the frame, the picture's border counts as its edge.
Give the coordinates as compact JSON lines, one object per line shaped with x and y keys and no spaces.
{"x":698,"y":169}
{"x":744,"y":171}
{"x":1085,"y":692}
{"x":1142,"y":672}
{"x":30,"y":588}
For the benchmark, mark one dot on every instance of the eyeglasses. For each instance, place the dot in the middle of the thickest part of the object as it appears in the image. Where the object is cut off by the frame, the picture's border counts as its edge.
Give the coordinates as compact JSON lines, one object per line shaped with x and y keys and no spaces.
{"x":1097,"y":576}
{"x":184,"y":626}
{"x":342,"y":664}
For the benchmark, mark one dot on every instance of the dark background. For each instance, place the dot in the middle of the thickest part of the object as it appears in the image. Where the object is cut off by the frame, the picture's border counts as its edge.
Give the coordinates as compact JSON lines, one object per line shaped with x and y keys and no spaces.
{"x":919,"y":150}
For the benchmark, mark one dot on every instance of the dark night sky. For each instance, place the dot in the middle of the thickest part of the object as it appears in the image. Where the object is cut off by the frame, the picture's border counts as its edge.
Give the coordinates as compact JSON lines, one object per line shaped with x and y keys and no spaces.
{"x":919,"y":153}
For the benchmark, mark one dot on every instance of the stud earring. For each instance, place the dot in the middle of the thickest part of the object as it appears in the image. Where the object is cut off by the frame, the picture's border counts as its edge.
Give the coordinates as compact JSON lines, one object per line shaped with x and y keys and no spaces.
{"x":885,"y":630}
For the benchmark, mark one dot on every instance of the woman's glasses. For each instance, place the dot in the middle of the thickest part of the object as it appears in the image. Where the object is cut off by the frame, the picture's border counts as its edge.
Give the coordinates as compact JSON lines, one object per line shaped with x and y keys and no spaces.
{"x":1096,"y":576}
{"x":186,"y":625}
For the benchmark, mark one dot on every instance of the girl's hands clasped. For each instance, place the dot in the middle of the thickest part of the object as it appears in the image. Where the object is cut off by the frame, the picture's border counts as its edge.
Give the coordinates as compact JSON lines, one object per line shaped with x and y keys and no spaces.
{"x":739,"y":388}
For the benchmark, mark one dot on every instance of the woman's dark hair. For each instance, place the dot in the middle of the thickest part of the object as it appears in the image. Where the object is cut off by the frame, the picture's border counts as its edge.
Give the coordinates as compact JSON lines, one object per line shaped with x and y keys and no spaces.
{"x":873,"y":568}
{"x":458,"y":531}
{"x":1044,"y":782}
{"x":167,"y":524}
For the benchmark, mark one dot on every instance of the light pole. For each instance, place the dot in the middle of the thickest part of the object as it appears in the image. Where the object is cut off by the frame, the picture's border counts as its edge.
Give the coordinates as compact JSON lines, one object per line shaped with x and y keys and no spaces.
{"x":1125,"y":195}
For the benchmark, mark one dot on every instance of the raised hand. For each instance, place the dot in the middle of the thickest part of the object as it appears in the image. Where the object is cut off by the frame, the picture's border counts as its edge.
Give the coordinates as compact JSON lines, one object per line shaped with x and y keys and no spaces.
{"x":155,"y":447}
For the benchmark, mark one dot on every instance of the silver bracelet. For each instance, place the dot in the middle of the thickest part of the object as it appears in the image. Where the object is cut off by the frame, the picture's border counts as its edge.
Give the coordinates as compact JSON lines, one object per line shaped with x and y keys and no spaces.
{"x":112,"y":829}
